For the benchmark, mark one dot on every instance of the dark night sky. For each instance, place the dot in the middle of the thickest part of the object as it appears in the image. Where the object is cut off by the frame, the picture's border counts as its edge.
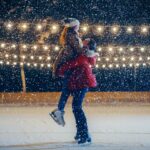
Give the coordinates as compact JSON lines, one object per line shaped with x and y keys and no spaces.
{"x":106,"y":11}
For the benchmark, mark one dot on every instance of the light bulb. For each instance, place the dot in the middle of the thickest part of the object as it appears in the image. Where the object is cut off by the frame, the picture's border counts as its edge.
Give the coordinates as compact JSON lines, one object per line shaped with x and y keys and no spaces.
{"x":45,"y":47}
{"x":48,"y":65}
{"x":6,"y":55}
{"x":107,"y":59}
{"x":15,"y":56}
{"x":34,"y":47}
{"x":97,"y":65}
{"x":56,"y":48}
{"x":129,"y":29}
{"x":28,"y":64}
{"x":9,"y":26}
{"x":39,"y":27}
{"x":48,"y":58}
{"x":103,"y":66}
{"x":110,"y":66}
{"x":142,"y":49}
{"x":1,"y":62}
{"x":132,"y":58}
{"x":32,"y":57}
{"x":99,"y":49}
{"x":3,"y":45}
{"x":7,"y":63}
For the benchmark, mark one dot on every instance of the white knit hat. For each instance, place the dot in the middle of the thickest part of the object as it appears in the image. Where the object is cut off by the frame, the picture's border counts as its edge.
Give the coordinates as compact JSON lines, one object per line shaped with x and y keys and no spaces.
{"x":71,"y":22}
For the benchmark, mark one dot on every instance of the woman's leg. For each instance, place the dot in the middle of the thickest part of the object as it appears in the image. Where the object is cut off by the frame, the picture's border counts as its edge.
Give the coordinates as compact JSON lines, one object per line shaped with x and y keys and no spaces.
{"x":81,"y":122}
{"x":63,"y":99}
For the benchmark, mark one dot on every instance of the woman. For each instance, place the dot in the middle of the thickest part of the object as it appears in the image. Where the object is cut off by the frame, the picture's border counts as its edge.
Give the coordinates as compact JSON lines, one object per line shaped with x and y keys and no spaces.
{"x":71,"y":48}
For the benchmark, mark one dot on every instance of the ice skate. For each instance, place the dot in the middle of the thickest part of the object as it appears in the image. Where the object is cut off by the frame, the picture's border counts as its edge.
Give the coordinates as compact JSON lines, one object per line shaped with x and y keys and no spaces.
{"x":85,"y":141}
{"x":58,"y":117}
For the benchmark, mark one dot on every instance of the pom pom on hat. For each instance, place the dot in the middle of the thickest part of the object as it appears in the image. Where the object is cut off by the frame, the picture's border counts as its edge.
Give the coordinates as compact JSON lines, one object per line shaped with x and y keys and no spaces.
{"x":70,"y":22}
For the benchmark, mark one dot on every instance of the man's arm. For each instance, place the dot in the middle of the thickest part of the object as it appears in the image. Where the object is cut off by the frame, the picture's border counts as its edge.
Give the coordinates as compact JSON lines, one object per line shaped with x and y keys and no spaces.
{"x":70,"y":65}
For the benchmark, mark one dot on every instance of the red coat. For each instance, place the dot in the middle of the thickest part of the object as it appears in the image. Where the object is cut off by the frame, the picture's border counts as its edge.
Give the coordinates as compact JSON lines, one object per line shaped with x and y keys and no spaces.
{"x":81,"y":75}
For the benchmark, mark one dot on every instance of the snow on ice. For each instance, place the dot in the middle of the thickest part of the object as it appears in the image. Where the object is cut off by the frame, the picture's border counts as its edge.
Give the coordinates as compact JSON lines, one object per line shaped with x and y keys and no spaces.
{"x":112,"y":128}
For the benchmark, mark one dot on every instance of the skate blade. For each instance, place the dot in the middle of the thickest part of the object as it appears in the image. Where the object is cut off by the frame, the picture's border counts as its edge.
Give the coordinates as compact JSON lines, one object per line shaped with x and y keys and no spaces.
{"x":54,"y":118}
{"x":85,"y":144}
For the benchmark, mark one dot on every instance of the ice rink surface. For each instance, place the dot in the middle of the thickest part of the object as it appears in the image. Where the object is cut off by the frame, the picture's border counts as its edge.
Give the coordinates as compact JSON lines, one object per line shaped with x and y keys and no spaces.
{"x":112,"y":127}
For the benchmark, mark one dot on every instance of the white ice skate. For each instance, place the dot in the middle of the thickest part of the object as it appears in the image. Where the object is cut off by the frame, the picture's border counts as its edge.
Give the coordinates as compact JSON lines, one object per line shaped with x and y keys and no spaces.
{"x":58,"y":117}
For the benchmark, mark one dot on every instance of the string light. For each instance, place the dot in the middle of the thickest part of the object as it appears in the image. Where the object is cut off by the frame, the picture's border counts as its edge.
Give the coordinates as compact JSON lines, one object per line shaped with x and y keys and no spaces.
{"x":1,"y":62}
{"x":24,"y":26}
{"x":45,"y":47}
{"x":3,"y":45}
{"x":132,"y":58}
{"x":7,"y":63}
{"x":99,"y":49}
{"x":42,"y":65}
{"x":56,"y":48}
{"x":110,"y":65}
{"x":24,"y":46}
{"x":117,"y":65}
{"x":13,"y":46}
{"x":115,"y":59}
{"x":131,"y":49}
{"x":114,"y":29}
{"x":9,"y":26}
{"x":142,"y":49}
{"x":54,"y":28}
{"x":107,"y":59}
{"x":35,"y":64}
{"x":120,"y":49}
{"x":129,"y":29}
{"x":34,"y":47}
{"x":99,"y":59}
{"x":48,"y":65}
{"x":28,"y":64}
{"x":21,"y":63}
{"x":130,"y":64}
{"x":14,"y":63}
{"x":39,"y":27}
{"x":40,"y":57}
{"x":96,"y":65}
{"x":144,"y":64}
{"x":123,"y":65}
{"x":15,"y":56}
{"x":140,"y":58}
{"x":123,"y":59}
{"x":144,"y":30}
{"x":137,"y":64}
{"x":23,"y":56}
{"x":32,"y":57}
{"x":48,"y":58}
{"x":110,"y":49}
{"x":103,"y":66}
{"x":85,"y":28}
{"x":6,"y":55}
{"x":100,"y":29}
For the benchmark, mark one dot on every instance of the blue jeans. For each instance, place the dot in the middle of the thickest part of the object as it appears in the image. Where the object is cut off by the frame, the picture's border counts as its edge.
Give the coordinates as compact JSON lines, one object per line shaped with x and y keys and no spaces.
{"x":80,"y":118}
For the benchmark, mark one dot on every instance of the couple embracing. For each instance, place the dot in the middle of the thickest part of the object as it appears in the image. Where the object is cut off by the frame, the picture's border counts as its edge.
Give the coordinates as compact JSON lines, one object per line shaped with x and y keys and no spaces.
{"x":74,"y":64}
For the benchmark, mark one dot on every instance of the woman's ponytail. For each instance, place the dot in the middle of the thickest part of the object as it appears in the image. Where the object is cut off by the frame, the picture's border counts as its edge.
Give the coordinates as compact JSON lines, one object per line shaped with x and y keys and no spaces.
{"x":63,"y":35}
